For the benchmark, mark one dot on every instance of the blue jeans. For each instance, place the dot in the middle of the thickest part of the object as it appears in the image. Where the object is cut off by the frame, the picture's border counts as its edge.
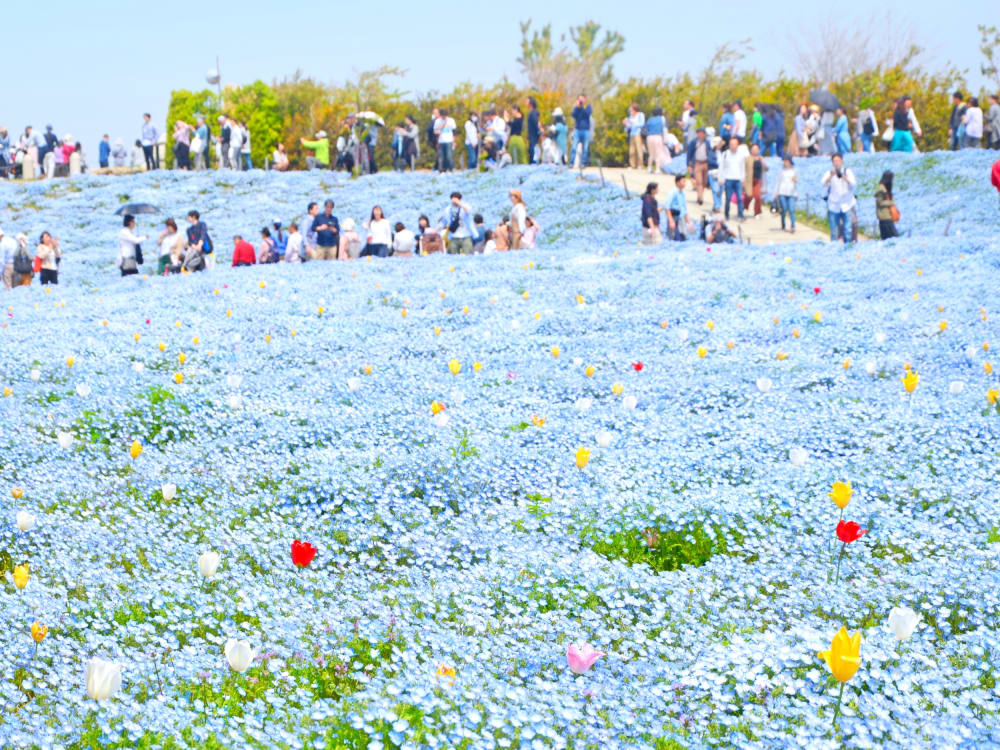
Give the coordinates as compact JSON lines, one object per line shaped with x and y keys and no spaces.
{"x":838,"y":226}
{"x":716,"y":187}
{"x":472,"y":156}
{"x":446,"y":156}
{"x":734,"y":187}
{"x":583,"y":138}
{"x":866,"y":143}
{"x":787,"y":203}
{"x":247,"y":164}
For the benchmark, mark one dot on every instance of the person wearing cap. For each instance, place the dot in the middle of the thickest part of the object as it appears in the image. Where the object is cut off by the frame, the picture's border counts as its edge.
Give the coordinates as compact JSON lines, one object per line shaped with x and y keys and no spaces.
{"x":321,"y":151}
{"x":634,"y":123}
{"x":148,"y":137}
{"x":700,"y":159}
{"x":350,"y":241}
{"x":8,"y":249}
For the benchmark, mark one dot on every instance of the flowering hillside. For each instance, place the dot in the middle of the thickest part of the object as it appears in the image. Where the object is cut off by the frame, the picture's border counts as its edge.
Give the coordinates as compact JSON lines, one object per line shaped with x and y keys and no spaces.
{"x":582,"y":496}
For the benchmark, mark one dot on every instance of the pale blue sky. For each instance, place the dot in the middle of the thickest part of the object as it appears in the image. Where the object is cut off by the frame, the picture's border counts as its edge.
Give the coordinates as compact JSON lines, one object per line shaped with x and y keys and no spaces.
{"x":90,"y":68}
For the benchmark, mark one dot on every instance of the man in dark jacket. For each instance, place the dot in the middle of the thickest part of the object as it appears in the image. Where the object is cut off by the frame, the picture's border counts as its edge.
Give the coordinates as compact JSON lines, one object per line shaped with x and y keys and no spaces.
{"x":534,"y":131}
{"x":327,"y":229}
{"x":773,"y":132}
{"x":955,"y":121}
{"x":701,"y":158}
{"x":582,"y":133}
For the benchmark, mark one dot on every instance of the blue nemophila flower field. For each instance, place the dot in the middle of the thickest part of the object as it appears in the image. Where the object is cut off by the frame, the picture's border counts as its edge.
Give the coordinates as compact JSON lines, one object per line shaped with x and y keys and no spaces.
{"x":460,"y":554}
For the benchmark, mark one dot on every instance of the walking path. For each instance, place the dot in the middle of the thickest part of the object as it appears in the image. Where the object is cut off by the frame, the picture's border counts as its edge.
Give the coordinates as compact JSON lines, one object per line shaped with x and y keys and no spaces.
{"x":763,"y":231}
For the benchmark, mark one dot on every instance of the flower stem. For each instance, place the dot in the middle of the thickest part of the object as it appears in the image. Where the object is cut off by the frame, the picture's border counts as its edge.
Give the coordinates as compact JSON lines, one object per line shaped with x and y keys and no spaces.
{"x":839,"y":558}
{"x":836,"y":711}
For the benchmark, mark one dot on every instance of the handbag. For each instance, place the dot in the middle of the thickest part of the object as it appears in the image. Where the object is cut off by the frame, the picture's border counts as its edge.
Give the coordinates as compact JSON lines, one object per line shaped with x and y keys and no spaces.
{"x":197,"y":145}
{"x":138,"y":254}
{"x":129,"y":266}
{"x":894,"y":214}
{"x":888,"y":133}
{"x":23,"y":263}
{"x":36,"y":265}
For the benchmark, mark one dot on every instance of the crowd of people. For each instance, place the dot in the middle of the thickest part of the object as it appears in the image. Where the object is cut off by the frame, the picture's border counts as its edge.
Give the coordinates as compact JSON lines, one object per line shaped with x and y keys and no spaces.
{"x":321,"y":235}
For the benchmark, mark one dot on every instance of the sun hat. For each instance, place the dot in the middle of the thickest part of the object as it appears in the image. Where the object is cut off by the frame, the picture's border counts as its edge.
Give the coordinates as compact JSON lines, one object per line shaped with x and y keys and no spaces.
{"x":348,"y":224}
{"x":557,"y":112}
{"x":321,"y":134}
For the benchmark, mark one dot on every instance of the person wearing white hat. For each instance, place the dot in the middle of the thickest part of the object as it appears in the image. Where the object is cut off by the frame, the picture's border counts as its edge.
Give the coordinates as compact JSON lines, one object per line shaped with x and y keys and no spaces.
{"x":321,"y":151}
{"x":8,"y":248}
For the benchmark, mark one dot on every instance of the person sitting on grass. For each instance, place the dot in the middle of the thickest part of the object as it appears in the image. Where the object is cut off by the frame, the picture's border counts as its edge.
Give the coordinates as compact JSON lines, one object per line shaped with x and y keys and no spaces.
{"x":243,"y":252}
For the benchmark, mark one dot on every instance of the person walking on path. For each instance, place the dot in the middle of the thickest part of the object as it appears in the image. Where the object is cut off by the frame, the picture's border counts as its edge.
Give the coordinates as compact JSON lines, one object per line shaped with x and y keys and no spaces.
{"x":840,"y":199}
{"x":534,"y":131}
{"x":634,"y":123}
{"x":753,"y":183}
{"x":885,"y":208}
{"x":104,"y":152}
{"x":583,"y":132}
{"x":733,"y":167}
{"x":688,"y":122}
{"x":867,"y":128}
{"x":700,"y":158}
{"x":787,"y":191}
{"x":148,"y":139}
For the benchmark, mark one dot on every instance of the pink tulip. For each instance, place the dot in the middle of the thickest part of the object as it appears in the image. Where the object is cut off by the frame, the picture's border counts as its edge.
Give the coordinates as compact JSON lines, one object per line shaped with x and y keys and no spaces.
{"x":581,"y":657}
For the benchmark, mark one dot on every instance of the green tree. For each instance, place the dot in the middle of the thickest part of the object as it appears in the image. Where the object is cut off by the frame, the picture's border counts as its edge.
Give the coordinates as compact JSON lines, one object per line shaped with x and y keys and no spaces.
{"x":257,"y":105}
{"x":989,"y":42}
{"x":188,"y":106}
{"x":583,"y":67}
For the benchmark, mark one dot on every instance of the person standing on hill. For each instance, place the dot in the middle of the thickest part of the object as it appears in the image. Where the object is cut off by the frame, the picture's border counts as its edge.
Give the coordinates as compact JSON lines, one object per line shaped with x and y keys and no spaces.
{"x":902,"y":138}
{"x":320,"y":147}
{"x":104,"y":152}
{"x":732,"y":169}
{"x":840,"y":199}
{"x":149,"y":139}
{"x":327,"y":229}
{"x":700,"y":159}
{"x":726,"y":123}
{"x":651,"y":216}
{"x":972,"y":121}
{"x":583,"y":133}
{"x":688,"y":122}
{"x":223,"y":142}
{"x":472,"y":141}
{"x":515,"y":144}
{"x":955,"y":124}
{"x":993,"y":123}
{"x":634,"y":123}
{"x":655,"y":130}
{"x":739,"y":121}
{"x":885,"y":208}
{"x":867,"y":128}
{"x":841,"y":132}
{"x":446,"y":128}
{"x":534,"y":131}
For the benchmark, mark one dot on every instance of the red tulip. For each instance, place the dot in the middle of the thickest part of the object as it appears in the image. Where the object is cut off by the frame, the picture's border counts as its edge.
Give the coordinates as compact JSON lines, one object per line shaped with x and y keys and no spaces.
{"x":637,"y":366}
{"x":302,"y":553}
{"x":815,"y":290}
{"x":850,"y":531}
{"x":147,"y":321}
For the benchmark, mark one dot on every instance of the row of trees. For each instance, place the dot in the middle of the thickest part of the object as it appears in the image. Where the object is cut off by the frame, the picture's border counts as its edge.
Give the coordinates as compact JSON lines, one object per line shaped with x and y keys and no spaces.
{"x":861,"y":68}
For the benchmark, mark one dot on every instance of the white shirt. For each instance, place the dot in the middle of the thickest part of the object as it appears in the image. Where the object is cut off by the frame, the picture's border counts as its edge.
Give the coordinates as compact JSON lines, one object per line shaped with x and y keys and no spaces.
{"x":8,"y":249}
{"x":471,"y":133}
{"x":914,"y":125}
{"x":733,"y":165}
{"x":519,"y":216}
{"x":973,"y":122}
{"x":447,"y":130}
{"x":740,"y":123}
{"x":293,"y":248}
{"x":841,"y":197}
{"x":381,"y":232}
{"x":786,"y":183}
{"x":126,"y":244}
{"x":500,"y":127}
{"x":404,"y":241}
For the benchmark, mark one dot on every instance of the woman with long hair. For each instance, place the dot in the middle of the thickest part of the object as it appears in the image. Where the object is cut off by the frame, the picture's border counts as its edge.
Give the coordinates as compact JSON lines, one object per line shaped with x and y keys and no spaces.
{"x":49,"y":255}
{"x":656,"y":127}
{"x":379,"y":234}
{"x":518,"y":219}
{"x":885,"y":207}
{"x":171,"y":243}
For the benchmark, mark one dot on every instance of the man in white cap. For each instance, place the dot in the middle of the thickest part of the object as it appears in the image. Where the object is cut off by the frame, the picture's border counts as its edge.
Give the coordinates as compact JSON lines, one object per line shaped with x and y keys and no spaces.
{"x":8,"y":247}
{"x":321,"y":148}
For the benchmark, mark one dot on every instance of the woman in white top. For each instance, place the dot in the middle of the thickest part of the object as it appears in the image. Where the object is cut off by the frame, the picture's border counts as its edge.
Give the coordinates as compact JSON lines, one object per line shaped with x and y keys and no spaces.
{"x":786,"y":193}
{"x":128,"y":241}
{"x":973,"y":120}
{"x":518,"y":219}
{"x":171,"y":242}
{"x":379,"y":234}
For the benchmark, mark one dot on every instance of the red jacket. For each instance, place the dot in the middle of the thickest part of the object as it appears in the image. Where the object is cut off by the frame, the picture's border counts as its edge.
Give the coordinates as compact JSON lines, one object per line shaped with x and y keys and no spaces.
{"x":995,"y":176}
{"x":243,"y":252}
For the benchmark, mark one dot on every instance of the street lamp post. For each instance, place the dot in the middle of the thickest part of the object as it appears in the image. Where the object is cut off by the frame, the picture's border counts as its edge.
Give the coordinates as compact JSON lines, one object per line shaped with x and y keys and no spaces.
{"x":214,"y":78}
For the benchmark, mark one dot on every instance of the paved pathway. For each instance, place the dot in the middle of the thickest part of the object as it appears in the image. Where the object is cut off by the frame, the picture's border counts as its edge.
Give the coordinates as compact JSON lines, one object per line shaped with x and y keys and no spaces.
{"x":763,"y":231}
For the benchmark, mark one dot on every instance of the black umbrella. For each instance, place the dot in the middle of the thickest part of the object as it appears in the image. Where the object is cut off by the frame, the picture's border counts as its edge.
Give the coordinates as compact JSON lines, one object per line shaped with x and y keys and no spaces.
{"x":137,"y":208}
{"x":824,"y":100}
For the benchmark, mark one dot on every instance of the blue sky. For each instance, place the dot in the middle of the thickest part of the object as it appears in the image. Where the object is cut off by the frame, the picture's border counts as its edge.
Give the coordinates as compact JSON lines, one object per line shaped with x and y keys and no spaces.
{"x":104,"y":63}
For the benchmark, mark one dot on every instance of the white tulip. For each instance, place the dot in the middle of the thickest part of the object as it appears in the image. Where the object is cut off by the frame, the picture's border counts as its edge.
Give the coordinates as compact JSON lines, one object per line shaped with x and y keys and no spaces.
{"x":902,"y":622}
{"x":353,"y":384}
{"x":83,"y":390}
{"x":970,"y":352}
{"x":798,"y":456}
{"x":604,"y":438}
{"x":65,"y":439}
{"x":880,"y":337}
{"x":583,"y":404}
{"x":103,"y":678}
{"x":139,"y":367}
{"x":168,"y":490}
{"x":956,"y":386}
{"x":870,"y":367}
{"x":233,"y":381}
{"x":630,"y":401}
{"x":577,"y":361}
{"x":682,"y":334}
{"x":441,"y":419}
{"x":208,"y":563}
{"x":239,"y":655}
{"x":234,"y":401}
{"x":36,"y":375}
{"x":25,"y":520}
{"x":764,"y":384}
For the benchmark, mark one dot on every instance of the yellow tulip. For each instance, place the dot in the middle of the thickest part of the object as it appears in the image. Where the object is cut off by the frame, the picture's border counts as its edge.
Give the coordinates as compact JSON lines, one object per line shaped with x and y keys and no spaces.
{"x":796,"y":333}
{"x":70,"y":361}
{"x":781,"y":356}
{"x":992,"y":395}
{"x":195,"y":341}
{"x":730,"y":344}
{"x":136,"y":336}
{"x":178,"y":324}
{"x":580,"y":300}
{"x":589,"y":372}
{"x":525,"y":295}
{"x":477,"y":366}
{"x":320,"y":310}
{"x":818,"y":316}
{"x":465,"y":309}
{"x":664,"y":323}
{"x":617,"y":389}
{"x":229,"y":313}
{"x":846,"y":363}
{"x":537,"y":421}
{"x":267,"y":339}
{"x":555,"y":351}
{"x":181,"y":357}
{"x":263,"y":285}
{"x":987,"y":368}
{"x":454,"y":367}
{"x":442,"y":294}
{"x":436,"y":407}
{"x":21,"y":575}
{"x":38,"y":631}
{"x":178,"y":378}
{"x":367,"y":369}
{"x":403,"y":312}
{"x":841,"y":494}
{"x":437,"y":330}
{"x":17,"y":493}
{"x":702,"y":351}
{"x":986,"y":346}
{"x":447,"y":673}
{"x":7,"y":390}
{"x":582,"y":457}
{"x":135,"y":450}
{"x":775,"y":320}
{"x":910,"y":381}
{"x":710,"y":325}
{"x":844,"y":656}
{"x":943,"y":325}
{"x":162,"y":346}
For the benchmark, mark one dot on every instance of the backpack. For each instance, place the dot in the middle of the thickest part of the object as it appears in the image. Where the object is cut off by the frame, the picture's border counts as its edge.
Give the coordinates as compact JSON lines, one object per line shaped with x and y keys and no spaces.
{"x":23,"y":263}
{"x":869,"y":127}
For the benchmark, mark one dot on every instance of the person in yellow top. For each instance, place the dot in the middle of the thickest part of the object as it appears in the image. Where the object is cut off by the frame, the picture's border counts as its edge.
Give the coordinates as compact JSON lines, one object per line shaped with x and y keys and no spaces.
{"x":321,"y":147}
{"x":49,"y":253}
